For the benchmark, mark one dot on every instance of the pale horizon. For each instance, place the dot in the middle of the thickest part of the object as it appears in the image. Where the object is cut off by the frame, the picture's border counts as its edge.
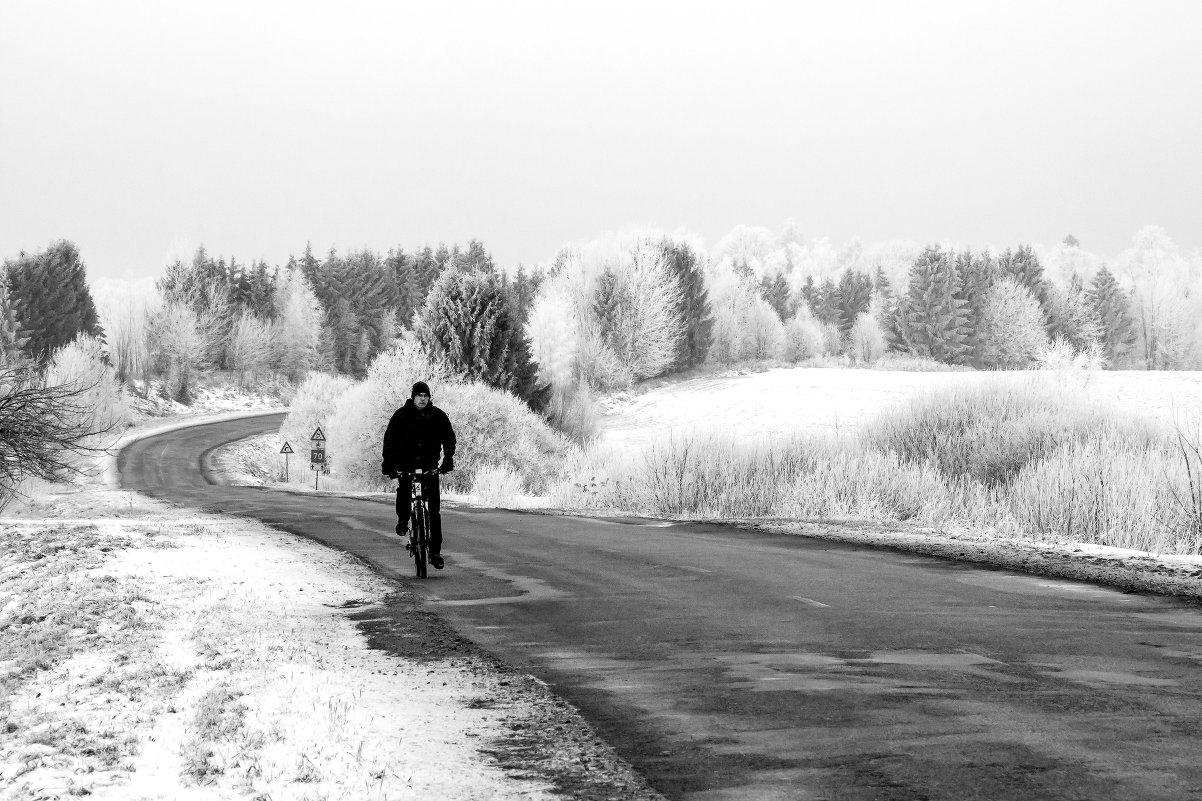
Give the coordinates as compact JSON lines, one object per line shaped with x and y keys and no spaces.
{"x":140,"y":131}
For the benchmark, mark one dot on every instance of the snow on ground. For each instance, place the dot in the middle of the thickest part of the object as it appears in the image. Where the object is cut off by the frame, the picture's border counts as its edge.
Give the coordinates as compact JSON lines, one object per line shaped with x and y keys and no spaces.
{"x":832,"y":401}
{"x":244,"y":673}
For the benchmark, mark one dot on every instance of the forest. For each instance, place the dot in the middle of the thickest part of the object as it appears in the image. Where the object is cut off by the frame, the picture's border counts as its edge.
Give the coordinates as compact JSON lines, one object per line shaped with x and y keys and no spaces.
{"x":600,"y":316}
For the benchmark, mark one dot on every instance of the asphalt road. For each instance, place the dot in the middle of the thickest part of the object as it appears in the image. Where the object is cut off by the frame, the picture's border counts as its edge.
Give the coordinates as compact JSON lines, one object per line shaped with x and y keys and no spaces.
{"x":729,"y":664}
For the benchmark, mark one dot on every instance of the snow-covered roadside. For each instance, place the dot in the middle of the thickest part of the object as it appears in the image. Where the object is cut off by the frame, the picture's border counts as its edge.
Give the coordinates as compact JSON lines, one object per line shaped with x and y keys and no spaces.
{"x":240,"y":666}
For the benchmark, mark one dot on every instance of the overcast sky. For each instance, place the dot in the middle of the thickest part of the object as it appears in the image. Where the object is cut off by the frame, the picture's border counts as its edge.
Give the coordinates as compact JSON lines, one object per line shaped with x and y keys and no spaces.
{"x":140,"y":130}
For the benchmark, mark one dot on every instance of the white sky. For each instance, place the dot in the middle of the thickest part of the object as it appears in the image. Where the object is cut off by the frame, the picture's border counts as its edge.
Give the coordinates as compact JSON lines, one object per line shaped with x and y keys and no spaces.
{"x":140,"y":130}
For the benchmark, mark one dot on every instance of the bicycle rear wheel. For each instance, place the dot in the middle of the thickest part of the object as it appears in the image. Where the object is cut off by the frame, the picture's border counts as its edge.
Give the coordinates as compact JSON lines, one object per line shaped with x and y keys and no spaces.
{"x":421,"y":539}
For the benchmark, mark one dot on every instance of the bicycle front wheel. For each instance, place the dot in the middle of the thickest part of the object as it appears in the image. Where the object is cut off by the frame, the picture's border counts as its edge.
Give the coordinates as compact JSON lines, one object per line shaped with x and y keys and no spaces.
{"x":421,"y":539}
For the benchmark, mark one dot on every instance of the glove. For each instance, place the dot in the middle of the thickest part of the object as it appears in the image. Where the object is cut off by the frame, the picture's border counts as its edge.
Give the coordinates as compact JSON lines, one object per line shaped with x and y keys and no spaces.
{"x":448,"y":464}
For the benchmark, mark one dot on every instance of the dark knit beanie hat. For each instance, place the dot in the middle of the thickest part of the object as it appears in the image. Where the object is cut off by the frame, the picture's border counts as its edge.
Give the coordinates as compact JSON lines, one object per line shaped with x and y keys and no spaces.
{"x":420,"y":388}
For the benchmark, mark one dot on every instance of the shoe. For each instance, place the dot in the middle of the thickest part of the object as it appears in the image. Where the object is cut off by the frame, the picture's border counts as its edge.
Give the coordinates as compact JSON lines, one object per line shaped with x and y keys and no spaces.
{"x":436,"y":561}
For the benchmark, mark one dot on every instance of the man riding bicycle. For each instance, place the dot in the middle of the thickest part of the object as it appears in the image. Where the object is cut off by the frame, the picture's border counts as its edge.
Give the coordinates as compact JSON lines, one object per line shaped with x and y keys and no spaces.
{"x":416,"y":433}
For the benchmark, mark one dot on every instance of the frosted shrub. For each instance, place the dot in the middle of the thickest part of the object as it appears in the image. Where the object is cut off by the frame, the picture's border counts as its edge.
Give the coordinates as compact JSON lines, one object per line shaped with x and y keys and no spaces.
{"x":493,"y":428}
{"x":1061,"y":357}
{"x":361,"y":413}
{"x":990,"y":433}
{"x":572,"y":411}
{"x":599,"y":365}
{"x":82,"y":364}
{"x":598,"y":477}
{"x":866,"y":485}
{"x":1108,"y":490}
{"x":832,"y":339}
{"x":803,"y":338}
{"x":496,"y":429}
{"x":497,"y":485}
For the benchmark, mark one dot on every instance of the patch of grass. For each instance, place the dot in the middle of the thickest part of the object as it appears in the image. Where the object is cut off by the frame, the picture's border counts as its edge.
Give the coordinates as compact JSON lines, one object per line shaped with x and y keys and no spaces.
{"x":991,"y":433}
{"x":220,"y":718}
{"x":58,"y":605}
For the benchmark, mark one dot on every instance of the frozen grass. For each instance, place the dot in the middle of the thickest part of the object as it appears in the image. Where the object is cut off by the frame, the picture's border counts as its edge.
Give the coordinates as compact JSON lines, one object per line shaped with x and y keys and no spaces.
{"x":152,"y":656}
{"x":1018,"y":456}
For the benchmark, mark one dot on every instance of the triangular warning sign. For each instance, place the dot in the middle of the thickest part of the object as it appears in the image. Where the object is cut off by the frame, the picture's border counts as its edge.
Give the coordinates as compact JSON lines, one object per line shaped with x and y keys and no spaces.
{"x":318,"y":436}
{"x":287,"y":448}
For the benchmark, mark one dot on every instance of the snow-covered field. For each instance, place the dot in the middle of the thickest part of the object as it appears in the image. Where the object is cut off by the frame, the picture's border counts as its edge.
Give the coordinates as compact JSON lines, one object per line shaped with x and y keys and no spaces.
{"x":831,"y":401}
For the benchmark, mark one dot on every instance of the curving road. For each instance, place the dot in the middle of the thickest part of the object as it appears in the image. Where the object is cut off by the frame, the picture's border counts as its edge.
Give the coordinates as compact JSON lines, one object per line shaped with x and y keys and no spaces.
{"x":728,"y":664}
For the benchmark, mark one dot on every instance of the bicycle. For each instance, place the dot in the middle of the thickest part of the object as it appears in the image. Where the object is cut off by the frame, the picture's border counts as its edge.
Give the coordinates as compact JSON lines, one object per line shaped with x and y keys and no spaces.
{"x":418,"y":545}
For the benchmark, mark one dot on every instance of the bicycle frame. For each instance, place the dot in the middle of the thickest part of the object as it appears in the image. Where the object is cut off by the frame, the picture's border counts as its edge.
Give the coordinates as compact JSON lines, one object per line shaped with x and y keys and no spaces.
{"x":419,"y":521}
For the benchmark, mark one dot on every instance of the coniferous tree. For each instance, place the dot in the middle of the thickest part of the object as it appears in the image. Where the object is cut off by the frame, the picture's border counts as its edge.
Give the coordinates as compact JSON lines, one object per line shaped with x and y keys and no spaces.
{"x":810,"y":295}
{"x":49,"y":293}
{"x":775,"y":292}
{"x":828,"y":303}
{"x":525,"y":290}
{"x":854,"y":297}
{"x":262,"y":290}
{"x":404,"y":277}
{"x":978,"y":273}
{"x":12,"y":338}
{"x":1112,"y":310}
{"x":694,"y":310}
{"x":885,"y":301}
{"x":932,"y":315}
{"x":468,"y":319}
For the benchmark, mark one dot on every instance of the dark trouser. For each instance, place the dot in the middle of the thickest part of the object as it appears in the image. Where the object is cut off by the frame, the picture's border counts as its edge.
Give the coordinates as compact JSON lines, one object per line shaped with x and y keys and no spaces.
{"x":403,"y":498}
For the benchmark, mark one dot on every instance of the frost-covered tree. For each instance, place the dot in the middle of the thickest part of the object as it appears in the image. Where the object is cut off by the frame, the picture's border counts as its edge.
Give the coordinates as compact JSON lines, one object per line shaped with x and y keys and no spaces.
{"x":977,"y":273}
{"x":1160,"y":303}
{"x":554,"y":333}
{"x":1024,"y":266}
{"x":252,"y":346}
{"x":84,"y":365}
{"x":866,"y":339}
{"x":126,"y":321}
{"x":1112,"y":309}
{"x":1013,"y":334}
{"x":1072,"y":319}
{"x":803,"y":337}
{"x":299,"y":325}
{"x":626,"y":304}
{"x":932,"y":317}
{"x":746,"y":245}
{"x":686,"y":266}
{"x":182,"y":344}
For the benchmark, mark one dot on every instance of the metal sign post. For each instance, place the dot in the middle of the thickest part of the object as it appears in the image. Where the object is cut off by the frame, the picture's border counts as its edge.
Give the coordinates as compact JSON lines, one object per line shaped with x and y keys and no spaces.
{"x":286,"y":450}
{"x":317,"y":455}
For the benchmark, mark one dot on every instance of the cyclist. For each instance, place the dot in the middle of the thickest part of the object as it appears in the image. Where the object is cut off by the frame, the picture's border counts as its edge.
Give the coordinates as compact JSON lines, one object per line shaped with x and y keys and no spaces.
{"x":416,"y":433}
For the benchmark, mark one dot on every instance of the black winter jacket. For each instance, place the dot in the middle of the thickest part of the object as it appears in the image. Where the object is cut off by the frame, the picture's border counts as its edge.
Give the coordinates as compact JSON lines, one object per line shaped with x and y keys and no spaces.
{"x":413,"y":438}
